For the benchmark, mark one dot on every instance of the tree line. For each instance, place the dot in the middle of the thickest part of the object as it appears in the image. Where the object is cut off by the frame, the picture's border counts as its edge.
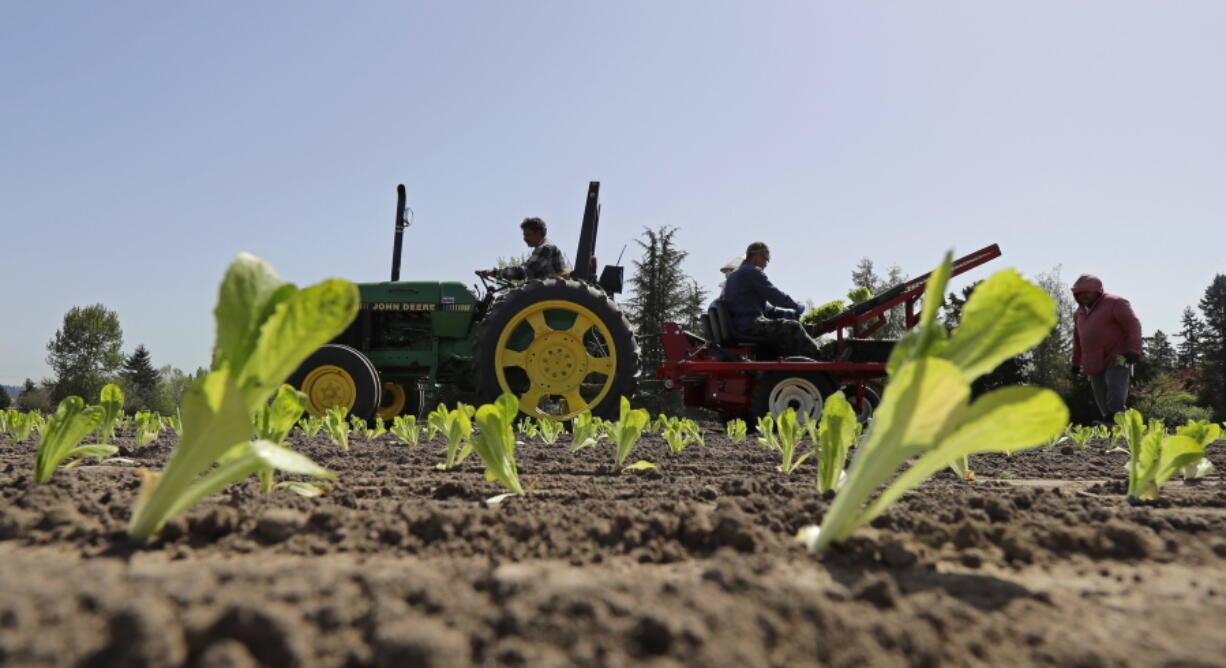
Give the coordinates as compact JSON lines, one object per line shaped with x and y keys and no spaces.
{"x":86,"y":353}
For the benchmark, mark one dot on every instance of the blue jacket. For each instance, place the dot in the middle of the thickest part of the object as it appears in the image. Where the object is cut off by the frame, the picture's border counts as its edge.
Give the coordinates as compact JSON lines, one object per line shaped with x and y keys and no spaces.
{"x":749,"y":294}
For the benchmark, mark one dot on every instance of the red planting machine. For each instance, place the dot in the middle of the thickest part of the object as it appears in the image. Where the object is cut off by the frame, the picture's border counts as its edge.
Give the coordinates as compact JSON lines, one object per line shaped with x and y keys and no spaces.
{"x":741,"y":377}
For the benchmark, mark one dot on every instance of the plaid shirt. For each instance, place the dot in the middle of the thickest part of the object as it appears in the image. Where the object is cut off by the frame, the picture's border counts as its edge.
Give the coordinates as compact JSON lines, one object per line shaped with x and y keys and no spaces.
{"x":545,"y":261}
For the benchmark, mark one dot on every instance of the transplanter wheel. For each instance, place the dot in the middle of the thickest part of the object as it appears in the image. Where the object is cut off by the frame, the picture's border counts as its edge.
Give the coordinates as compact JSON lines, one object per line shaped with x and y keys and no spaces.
{"x":775,"y":392}
{"x":337,"y":375}
{"x":561,"y":346}
{"x":871,"y":400}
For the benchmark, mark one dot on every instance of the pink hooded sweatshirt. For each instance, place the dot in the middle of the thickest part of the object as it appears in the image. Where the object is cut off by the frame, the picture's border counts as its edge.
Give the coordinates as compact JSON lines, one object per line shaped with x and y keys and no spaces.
{"x":1105,"y":331}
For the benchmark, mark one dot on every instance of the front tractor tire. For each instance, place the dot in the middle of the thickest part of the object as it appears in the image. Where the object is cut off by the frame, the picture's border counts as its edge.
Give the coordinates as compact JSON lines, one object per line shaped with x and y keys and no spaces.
{"x":337,"y":375}
{"x":561,"y":346}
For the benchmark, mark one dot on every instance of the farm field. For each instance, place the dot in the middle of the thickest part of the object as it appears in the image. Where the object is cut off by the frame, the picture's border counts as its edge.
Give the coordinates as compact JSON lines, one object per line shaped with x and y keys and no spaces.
{"x":1042,"y":560}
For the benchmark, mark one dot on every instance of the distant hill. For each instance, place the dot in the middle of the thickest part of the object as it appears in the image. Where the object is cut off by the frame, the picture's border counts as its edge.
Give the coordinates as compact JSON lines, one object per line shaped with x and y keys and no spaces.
{"x":13,"y":391}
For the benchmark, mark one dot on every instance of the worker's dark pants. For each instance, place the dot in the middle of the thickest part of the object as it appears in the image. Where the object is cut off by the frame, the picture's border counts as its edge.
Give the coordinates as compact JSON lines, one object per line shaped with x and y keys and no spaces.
{"x":788,"y":336}
{"x":1110,"y":389}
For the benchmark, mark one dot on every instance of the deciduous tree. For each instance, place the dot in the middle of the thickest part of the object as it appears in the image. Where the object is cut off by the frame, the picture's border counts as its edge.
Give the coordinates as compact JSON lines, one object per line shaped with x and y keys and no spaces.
{"x":85,"y":352}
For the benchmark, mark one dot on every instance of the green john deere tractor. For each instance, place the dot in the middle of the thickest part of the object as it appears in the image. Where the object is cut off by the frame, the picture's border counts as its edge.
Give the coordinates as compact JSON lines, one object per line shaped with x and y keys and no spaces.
{"x":560,"y":344}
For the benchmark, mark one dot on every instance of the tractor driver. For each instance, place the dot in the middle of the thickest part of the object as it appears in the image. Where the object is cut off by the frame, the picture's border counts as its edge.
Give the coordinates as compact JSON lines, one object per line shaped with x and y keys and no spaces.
{"x":761,"y":310}
{"x":545,"y":261}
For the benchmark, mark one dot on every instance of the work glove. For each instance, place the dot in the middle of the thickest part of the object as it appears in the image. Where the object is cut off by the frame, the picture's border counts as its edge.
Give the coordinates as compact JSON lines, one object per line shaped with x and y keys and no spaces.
{"x":1131,"y":358}
{"x":1075,"y":369}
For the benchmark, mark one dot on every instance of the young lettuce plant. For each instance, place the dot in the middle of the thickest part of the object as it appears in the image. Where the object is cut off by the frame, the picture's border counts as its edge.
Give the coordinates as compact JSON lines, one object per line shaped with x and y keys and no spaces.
{"x":20,"y":424}
{"x":766,"y":427}
{"x":175,"y":422}
{"x":926,"y":412}
{"x":790,"y":434}
{"x":436,"y":421}
{"x":310,"y":425}
{"x":458,"y":429}
{"x":265,"y":329}
{"x":529,"y":428}
{"x":405,"y":428}
{"x":495,"y":444}
{"x":1203,"y":432}
{"x":148,"y":426}
{"x":72,"y":422}
{"x":111,"y":401}
{"x":549,"y":430}
{"x":336,"y":426}
{"x":695,"y":431}
{"x":627,"y":430}
{"x":676,"y":435}
{"x":1080,"y":436}
{"x":359,"y":427}
{"x":737,"y":430}
{"x":273,"y":423}
{"x":585,"y":431}
{"x":836,"y":432}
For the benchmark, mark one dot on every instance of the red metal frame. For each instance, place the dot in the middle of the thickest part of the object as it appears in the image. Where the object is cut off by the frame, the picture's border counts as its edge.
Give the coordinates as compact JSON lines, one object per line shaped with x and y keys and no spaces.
{"x":726,"y":386}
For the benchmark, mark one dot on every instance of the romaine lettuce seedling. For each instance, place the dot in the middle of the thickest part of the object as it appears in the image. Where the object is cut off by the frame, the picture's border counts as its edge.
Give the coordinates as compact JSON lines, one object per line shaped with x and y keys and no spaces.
{"x":336,"y":427}
{"x":1203,"y":432}
{"x":789,"y":435}
{"x":175,"y":422}
{"x":111,"y":401}
{"x":265,"y":329}
{"x":550,"y":430}
{"x":310,"y":425}
{"x":436,"y":421}
{"x":405,"y":428}
{"x":766,"y":431}
{"x":926,"y":412}
{"x":627,"y":430}
{"x":273,"y":423}
{"x":835,"y":433}
{"x":20,"y":424}
{"x":495,"y":442}
{"x":676,"y":434}
{"x":148,"y":426}
{"x":72,"y":422}
{"x":737,"y":430}
{"x":458,"y":429}
{"x":586,"y":431}
{"x":529,"y":428}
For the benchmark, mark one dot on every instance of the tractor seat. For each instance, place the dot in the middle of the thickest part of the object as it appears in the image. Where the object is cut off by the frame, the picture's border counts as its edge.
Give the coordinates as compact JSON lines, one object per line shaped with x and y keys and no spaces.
{"x":721,"y":326}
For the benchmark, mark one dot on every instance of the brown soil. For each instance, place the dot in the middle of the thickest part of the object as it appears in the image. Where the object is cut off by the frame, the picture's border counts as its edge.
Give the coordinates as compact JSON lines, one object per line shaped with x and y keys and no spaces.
{"x":1041,"y":560}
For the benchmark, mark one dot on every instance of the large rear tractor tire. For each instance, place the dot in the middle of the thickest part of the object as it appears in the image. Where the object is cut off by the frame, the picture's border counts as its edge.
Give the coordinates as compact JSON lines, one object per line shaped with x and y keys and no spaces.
{"x":337,"y":375}
{"x":775,"y":392}
{"x":561,"y":346}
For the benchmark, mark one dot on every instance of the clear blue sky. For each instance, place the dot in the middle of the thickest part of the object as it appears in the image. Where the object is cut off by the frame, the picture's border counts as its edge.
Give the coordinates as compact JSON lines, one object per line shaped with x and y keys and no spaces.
{"x":145,"y":144}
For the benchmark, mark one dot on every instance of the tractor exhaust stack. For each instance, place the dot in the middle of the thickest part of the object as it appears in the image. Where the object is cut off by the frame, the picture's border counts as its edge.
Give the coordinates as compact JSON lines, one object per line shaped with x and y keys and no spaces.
{"x":401,"y":223}
{"x":587,"y":235}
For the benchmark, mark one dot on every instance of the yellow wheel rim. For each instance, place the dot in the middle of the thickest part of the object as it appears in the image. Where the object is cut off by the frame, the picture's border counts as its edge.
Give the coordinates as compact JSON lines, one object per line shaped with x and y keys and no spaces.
{"x":558,"y":358}
{"x":326,"y":386}
{"x":394,"y":399}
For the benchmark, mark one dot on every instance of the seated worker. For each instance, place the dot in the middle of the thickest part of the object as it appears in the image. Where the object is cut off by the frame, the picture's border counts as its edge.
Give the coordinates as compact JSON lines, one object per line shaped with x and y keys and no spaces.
{"x":545,"y":261}
{"x":761,"y":310}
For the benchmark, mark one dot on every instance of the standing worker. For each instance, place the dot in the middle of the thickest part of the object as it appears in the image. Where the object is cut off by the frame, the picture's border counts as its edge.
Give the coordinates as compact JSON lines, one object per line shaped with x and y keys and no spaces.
{"x":1106,"y":337}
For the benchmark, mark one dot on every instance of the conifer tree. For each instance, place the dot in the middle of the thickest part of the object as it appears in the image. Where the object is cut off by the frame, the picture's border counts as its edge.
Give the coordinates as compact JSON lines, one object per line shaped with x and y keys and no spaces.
{"x":1188,"y":352}
{"x":1213,"y":360}
{"x":140,"y":380}
{"x":662,"y":292}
